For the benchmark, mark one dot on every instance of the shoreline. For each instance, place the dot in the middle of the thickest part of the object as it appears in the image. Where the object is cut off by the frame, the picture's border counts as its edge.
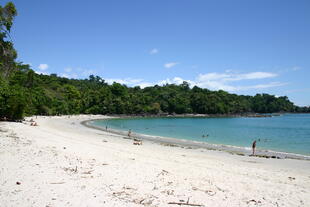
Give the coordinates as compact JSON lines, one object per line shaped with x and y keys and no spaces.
{"x":257,"y":115}
{"x":237,"y":150}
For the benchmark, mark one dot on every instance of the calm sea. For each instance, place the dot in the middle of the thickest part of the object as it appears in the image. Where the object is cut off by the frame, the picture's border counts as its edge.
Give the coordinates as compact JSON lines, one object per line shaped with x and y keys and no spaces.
{"x":285,"y":133}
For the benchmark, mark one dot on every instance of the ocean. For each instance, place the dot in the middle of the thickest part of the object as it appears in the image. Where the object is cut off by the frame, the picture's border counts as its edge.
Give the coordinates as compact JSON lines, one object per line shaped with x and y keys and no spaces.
{"x":285,"y":133}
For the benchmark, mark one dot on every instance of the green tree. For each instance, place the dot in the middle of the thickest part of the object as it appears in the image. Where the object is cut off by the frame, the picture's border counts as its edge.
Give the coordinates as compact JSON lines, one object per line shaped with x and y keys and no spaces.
{"x":7,"y":52}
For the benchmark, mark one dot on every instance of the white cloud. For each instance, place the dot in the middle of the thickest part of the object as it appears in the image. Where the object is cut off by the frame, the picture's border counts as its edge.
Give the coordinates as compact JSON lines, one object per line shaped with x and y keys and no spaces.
{"x":64,"y":75}
{"x":212,"y":81}
{"x":145,"y":84}
{"x":226,"y":77}
{"x":41,"y":72}
{"x":67,"y":75}
{"x":222,"y":81}
{"x":267,"y":85}
{"x":255,"y":75}
{"x":154,"y":51}
{"x":87,"y":72}
{"x":68,"y":70}
{"x":215,"y":85}
{"x":212,"y":76}
{"x":130,"y":82}
{"x":170,"y":65}
{"x":295,"y":68}
{"x":175,"y":80}
{"x":43,"y":66}
{"x":126,"y":81}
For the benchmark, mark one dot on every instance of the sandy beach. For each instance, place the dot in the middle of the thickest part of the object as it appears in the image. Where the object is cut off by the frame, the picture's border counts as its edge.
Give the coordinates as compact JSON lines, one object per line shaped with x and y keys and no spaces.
{"x":61,"y":162}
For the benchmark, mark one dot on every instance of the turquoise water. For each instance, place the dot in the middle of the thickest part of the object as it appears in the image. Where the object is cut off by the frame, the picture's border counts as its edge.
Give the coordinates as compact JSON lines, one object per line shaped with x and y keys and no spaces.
{"x":285,"y":133}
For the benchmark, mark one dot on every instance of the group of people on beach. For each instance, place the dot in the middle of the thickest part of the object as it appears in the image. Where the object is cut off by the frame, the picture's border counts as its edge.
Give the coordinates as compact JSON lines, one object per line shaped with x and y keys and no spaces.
{"x":253,"y":144}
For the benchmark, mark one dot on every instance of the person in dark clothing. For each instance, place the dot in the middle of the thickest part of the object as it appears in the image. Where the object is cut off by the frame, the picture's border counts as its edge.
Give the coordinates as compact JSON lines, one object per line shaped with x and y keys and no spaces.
{"x":253,"y":147}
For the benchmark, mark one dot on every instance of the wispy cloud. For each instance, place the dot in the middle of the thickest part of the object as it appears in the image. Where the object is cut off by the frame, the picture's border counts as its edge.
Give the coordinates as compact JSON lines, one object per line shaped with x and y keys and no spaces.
{"x":69,"y":75}
{"x":68,"y":69}
{"x":43,"y":67}
{"x":170,"y":65}
{"x":175,"y":80}
{"x":223,"y":81}
{"x":301,"y":90}
{"x":295,"y":68}
{"x":130,"y":82}
{"x":154,"y":51}
{"x":87,"y":72}
{"x":230,"y":80}
{"x":41,"y":72}
{"x":213,"y":81}
{"x":126,"y":81}
{"x":227,"y":77}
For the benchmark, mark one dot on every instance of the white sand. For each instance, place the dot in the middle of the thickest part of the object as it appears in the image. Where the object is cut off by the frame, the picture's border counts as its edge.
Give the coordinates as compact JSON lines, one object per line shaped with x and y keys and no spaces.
{"x":62,"y":163}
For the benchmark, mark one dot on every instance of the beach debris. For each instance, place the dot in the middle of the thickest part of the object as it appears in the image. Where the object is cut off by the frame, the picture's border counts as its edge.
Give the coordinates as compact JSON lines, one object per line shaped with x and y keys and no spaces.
{"x":57,"y":183}
{"x":70,"y":169}
{"x":34,"y":124}
{"x":267,"y":156}
{"x":3,"y":130}
{"x":170,"y":192}
{"x":137,"y":142}
{"x":187,"y":203}
{"x":291,"y":178}
{"x":143,"y":201}
{"x":209,"y":192}
{"x":88,"y":172}
{"x":18,"y":183}
{"x":163,"y":172}
{"x":138,"y":201}
{"x":254,"y":201}
{"x":169,"y":145}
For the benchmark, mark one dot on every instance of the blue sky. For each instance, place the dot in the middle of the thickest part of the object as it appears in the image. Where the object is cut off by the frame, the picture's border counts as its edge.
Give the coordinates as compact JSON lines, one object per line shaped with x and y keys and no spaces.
{"x":241,"y":46}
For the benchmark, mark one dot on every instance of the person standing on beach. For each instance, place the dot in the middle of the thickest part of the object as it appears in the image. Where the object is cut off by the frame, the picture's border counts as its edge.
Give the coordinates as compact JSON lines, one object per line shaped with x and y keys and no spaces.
{"x":253,"y":147}
{"x":129,"y":133}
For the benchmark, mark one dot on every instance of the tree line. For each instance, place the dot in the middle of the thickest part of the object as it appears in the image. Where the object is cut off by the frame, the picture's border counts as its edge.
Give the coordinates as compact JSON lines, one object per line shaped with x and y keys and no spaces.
{"x":24,"y":92}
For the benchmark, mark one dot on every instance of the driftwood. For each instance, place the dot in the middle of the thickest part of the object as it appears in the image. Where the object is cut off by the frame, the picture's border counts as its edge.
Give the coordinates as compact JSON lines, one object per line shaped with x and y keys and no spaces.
{"x":70,"y":169}
{"x":88,"y":172}
{"x":254,"y":201}
{"x":185,"y":203}
{"x":58,"y":183}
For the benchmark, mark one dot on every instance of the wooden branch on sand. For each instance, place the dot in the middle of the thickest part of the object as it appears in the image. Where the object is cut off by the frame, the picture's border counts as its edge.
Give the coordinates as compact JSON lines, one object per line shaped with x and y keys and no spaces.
{"x":186,"y":204}
{"x":58,"y":183}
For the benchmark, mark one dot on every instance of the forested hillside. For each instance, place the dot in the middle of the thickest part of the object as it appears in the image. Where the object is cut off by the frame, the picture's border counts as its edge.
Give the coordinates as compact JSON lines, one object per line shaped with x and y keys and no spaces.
{"x":23,"y":92}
